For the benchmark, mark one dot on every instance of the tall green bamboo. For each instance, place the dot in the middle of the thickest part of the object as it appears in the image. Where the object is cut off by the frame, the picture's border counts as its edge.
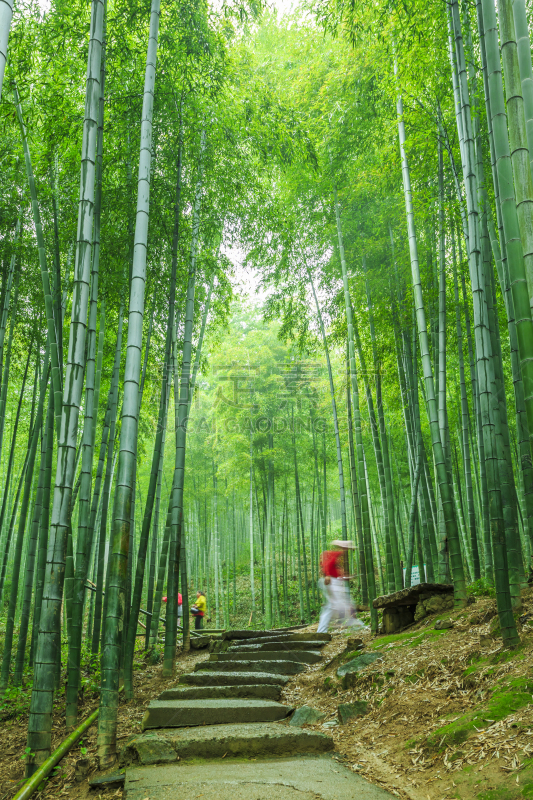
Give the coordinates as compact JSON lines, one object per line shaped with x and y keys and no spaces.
{"x":334,"y":410}
{"x":6,"y":14}
{"x":507,"y":480}
{"x":298,"y":543}
{"x":302,"y":534}
{"x":465,"y":426}
{"x":517,"y":274}
{"x":112,"y":404}
{"x":441,"y":368}
{"x":155,"y":525}
{"x":413,"y":516}
{"x":162,"y":567}
{"x":29,"y":569}
{"x":483,"y":486}
{"x":4,"y":318}
{"x":85,"y":523}
{"x":502,"y":267}
{"x":267,"y":553}
{"x":160,"y":437}
{"x":28,"y":480}
{"x":523,"y":44}
{"x":186,"y":618}
{"x":44,"y":525}
{"x":107,"y":720}
{"x":369,"y":560}
{"x":488,"y":416}
{"x":526,"y":469}
{"x":181,"y":410}
{"x":355,"y":489}
{"x":51,"y":322}
{"x":7,"y":365}
{"x":251,"y":531}
{"x":136,"y":490}
{"x":9,"y":472}
{"x":56,"y":272}
{"x":499,"y":472}
{"x":378,"y":453}
{"x":518,"y":141}
{"x":198,"y":353}
{"x":388,"y":508}
{"x":99,"y":360}
{"x":444,"y":486}
{"x":489,"y":369}
{"x":216,"y":549}
{"x":408,"y":373}
{"x":48,"y":646}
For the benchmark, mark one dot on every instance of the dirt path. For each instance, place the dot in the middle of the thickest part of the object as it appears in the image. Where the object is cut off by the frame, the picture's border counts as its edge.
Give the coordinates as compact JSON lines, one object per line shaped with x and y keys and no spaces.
{"x":449,"y":716}
{"x":237,"y":746}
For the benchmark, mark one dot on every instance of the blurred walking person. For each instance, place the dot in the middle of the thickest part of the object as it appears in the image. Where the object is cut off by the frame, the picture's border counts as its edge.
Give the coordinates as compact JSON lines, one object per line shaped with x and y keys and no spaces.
{"x":338,"y":606}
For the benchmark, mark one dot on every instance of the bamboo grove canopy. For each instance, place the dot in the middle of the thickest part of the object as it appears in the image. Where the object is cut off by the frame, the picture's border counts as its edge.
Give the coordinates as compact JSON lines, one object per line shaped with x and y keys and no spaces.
{"x":168,"y":422}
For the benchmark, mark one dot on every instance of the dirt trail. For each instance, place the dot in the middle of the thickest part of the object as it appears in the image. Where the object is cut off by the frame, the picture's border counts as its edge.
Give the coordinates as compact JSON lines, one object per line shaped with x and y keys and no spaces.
{"x":450,"y":713}
{"x":450,"y":716}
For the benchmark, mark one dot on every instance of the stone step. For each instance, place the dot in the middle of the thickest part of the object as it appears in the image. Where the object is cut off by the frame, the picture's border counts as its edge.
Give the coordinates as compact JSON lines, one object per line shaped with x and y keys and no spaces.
{"x":266,"y":647}
{"x":232,"y":677}
{"x":306,"y":777}
{"x":300,"y":656}
{"x":318,"y":639}
{"x":279,"y":667}
{"x":186,"y":713}
{"x":264,"y":691}
{"x":248,"y":634}
{"x":222,"y":741}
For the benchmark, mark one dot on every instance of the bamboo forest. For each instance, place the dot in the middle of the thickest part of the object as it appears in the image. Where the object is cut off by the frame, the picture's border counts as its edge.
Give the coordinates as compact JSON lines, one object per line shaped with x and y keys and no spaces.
{"x":266,"y":309}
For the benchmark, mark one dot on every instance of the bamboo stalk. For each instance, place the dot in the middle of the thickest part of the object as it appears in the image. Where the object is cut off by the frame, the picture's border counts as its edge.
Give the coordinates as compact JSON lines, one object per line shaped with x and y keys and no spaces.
{"x":31,"y":786}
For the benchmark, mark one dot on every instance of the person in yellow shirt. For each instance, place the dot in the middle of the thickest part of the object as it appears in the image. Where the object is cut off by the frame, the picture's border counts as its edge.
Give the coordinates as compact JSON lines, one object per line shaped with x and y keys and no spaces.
{"x":198,"y":610}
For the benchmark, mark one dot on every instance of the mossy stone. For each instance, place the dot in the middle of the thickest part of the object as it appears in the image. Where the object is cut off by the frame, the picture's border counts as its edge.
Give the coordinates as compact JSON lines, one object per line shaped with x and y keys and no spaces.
{"x":357,"y":664}
{"x":348,"y":711}
{"x":305,"y":715}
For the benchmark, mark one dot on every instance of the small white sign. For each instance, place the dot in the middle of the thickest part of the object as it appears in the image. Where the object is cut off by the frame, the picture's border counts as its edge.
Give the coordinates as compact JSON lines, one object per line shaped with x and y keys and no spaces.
{"x":415,"y":575}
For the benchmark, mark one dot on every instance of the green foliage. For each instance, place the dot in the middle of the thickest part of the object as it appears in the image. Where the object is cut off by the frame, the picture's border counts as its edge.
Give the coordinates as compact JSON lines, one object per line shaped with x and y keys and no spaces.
{"x":481,"y":588}
{"x":15,"y":702}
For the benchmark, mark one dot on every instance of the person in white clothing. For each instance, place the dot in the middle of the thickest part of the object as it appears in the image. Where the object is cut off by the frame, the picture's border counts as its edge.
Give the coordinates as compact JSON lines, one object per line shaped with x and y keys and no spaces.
{"x":334,"y":586}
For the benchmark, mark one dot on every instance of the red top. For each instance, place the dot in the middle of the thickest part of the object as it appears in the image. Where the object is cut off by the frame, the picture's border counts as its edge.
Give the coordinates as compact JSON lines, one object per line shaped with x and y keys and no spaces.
{"x":329,"y":563}
{"x":180,"y":599}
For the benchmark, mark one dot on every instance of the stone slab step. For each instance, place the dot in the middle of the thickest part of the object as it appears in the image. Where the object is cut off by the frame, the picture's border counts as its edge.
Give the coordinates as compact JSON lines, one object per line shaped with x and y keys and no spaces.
{"x":266,"y":647}
{"x":265,"y":691}
{"x":299,"y":656}
{"x":186,"y":713}
{"x":304,"y":778}
{"x":231,"y":677}
{"x":318,"y":639}
{"x":285,"y":667}
{"x":248,"y":634}
{"x":278,"y":644}
{"x":222,"y":741}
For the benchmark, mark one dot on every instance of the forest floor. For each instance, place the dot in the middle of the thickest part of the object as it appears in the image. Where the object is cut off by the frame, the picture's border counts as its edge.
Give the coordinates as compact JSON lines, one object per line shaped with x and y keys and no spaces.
{"x":450,"y":713}
{"x":149,"y":683}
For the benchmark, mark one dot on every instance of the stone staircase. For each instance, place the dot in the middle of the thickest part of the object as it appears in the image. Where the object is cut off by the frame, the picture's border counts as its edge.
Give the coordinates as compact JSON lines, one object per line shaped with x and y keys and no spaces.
{"x":228,"y":709}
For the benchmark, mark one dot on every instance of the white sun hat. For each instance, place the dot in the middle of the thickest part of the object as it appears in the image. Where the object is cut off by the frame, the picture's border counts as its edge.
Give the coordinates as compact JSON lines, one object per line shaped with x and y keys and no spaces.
{"x":347,"y":544}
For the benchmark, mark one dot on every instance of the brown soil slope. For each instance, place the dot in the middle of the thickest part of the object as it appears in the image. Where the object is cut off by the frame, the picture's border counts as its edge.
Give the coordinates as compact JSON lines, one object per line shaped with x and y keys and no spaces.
{"x":450,"y":713}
